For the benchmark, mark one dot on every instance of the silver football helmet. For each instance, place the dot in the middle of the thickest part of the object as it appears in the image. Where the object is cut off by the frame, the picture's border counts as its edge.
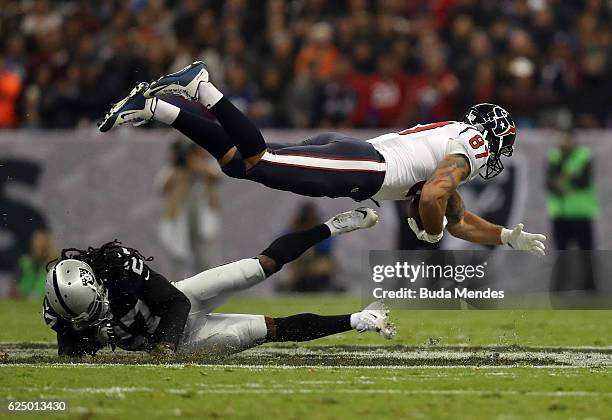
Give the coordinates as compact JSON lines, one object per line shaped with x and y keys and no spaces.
{"x":73,"y":291}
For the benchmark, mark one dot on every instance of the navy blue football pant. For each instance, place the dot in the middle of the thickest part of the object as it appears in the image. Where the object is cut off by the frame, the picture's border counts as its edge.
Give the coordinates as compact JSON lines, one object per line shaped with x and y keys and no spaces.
{"x":327,"y":165}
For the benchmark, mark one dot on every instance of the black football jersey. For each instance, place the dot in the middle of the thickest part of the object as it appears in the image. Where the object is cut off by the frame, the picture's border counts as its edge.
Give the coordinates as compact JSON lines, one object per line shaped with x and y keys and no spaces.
{"x":145,"y":309}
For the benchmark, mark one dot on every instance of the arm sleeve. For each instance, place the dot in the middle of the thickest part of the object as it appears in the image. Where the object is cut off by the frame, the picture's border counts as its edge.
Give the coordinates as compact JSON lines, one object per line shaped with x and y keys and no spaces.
{"x":170,"y":304}
{"x":464,"y":144}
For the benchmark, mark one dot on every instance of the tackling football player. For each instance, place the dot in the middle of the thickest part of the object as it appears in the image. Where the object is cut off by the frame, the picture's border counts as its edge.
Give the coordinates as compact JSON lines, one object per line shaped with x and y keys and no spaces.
{"x":389,"y":167}
{"x":110,"y":296}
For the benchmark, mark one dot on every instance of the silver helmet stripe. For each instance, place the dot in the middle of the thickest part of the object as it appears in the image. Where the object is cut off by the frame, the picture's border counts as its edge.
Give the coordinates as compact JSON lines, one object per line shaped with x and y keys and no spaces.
{"x":60,"y":299}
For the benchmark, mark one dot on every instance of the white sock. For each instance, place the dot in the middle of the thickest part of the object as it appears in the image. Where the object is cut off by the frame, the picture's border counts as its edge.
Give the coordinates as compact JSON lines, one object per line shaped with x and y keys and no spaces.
{"x":165,"y":112}
{"x":332,"y":230}
{"x":354,"y":320}
{"x":208,"y":94}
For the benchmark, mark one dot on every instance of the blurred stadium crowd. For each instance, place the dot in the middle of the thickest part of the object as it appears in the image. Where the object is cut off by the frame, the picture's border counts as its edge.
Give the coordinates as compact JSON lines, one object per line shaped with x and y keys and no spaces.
{"x":313,"y":63}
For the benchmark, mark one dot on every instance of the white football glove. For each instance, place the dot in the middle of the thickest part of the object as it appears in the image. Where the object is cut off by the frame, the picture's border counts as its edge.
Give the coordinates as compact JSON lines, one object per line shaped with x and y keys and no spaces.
{"x":422,"y":233}
{"x":524,"y":241}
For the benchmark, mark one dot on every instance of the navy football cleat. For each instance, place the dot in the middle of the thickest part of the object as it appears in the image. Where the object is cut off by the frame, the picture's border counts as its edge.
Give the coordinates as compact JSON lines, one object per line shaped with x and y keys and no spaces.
{"x":184,"y":82}
{"x":134,"y":108}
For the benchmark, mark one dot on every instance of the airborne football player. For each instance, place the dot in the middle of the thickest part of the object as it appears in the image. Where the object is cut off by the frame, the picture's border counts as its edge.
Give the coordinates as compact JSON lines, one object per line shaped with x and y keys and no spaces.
{"x":439,"y":156}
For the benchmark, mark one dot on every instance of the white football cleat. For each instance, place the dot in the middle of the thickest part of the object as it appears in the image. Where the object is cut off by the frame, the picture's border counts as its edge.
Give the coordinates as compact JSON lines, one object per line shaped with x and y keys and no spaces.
{"x":134,"y":109}
{"x":375,"y":317}
{"x":361,"y":218}
{"x":184,"y":82}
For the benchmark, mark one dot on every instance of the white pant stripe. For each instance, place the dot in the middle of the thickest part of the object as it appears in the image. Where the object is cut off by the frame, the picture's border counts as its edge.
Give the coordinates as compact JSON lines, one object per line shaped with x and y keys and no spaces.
{"x":324,"y":162}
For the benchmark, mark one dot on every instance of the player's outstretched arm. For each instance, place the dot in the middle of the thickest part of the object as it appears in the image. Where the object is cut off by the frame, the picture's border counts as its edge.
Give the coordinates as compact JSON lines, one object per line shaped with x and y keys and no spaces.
{"x":437,"y":191}
{"x":473,"y":228}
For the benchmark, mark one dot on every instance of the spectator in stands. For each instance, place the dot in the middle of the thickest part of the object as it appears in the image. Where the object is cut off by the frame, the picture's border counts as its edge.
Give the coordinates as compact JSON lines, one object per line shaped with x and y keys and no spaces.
{"x":383,"y":97}
{"x":302,"y":98}
{"x":31,"y":271}
{"x":319,"y":52}
{"x":435,"y":91}
{"x":281,"y":56}
{"x":338,"y":97}
{"x":238,"y":88}
{"x":190,"y":223}
{"x":10,"y":89}
{"x":538,"y":58}
{"x":268,"y":109}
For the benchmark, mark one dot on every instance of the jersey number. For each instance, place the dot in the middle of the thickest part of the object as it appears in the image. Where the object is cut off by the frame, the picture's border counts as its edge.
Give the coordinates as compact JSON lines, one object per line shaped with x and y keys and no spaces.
{"x":477,"y":142}
{"x":137,"y":265}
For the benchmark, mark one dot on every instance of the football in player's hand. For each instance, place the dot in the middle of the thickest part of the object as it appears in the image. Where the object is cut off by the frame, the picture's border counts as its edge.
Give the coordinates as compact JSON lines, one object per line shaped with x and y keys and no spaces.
{"x":455,"y":203}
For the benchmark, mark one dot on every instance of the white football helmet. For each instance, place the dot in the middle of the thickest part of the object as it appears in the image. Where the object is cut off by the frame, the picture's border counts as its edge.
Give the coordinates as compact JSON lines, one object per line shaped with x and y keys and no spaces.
{"x":73,"y":291}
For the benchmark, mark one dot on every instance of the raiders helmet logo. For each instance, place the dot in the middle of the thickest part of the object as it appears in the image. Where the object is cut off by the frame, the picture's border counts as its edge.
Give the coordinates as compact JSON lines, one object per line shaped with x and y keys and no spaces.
{"x":86,"y":277}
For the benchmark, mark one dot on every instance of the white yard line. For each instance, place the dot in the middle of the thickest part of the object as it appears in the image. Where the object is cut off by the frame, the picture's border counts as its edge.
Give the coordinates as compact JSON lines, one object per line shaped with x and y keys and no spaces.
{"x":121,"y":391}
{"x":342,"y":358}
{"x":277,"y":367}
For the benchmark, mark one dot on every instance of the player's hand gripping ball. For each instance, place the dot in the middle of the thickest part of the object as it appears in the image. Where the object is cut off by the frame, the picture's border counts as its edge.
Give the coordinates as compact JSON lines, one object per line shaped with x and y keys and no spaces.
{"x":454,"y":208}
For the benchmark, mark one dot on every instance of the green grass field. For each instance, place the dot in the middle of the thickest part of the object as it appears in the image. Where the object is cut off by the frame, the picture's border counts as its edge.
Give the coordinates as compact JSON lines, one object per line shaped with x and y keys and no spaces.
{"x":442,"y":364}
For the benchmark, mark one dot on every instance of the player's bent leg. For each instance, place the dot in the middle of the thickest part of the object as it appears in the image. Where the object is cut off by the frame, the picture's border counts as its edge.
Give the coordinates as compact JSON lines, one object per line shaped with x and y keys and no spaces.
{"x":205,"y":133}
{"x":136,"y":109}
{"x":288,"y":247}
{"x":209,"y":289}
{"x":342,"y":167}
{"x":223,"y":334}
{"x":192,"y":82}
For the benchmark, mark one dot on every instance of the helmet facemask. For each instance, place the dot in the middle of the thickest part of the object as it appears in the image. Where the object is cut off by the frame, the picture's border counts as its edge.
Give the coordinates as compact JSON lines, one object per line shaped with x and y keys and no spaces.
{"x":98,"y":311}
{"x":494,"y":165}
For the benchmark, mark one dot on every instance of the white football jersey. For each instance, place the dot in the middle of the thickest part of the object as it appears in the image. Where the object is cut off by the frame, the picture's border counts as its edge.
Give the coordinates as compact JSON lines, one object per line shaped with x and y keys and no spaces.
{"x":412,"y":155}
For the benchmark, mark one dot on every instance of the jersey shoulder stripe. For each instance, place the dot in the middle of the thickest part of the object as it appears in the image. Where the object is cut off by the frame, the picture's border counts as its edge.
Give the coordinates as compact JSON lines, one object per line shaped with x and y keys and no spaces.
{"x":468,"y":128}
{"x":425,"y":127}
